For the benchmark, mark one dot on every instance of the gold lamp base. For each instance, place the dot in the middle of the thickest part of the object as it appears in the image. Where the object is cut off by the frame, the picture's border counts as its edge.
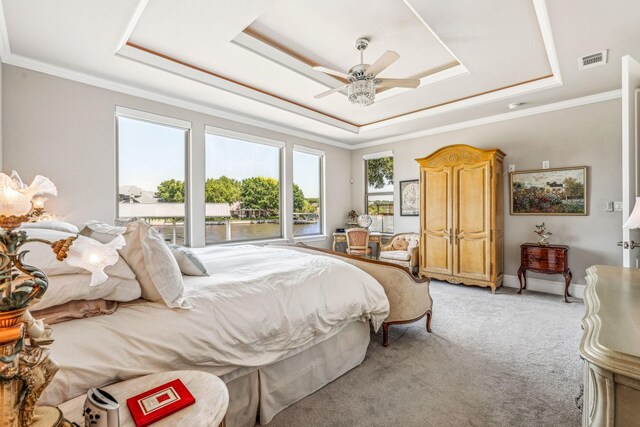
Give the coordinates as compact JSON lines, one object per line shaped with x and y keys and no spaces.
{"x":48,"y":416}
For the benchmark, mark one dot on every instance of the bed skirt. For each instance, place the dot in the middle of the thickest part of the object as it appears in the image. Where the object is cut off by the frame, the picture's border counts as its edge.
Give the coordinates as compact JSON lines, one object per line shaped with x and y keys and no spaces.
{"x":259,"y":395}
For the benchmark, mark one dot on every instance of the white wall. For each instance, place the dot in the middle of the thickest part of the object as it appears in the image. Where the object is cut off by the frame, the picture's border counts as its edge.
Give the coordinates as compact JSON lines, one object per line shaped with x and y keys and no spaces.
{"x":589,"y":135}
{"x":65,"y":130}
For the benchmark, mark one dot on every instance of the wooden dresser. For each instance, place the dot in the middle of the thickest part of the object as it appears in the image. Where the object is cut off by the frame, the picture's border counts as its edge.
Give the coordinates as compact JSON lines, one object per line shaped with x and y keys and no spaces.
{"x":548,"y":259}
{"x":461,"y":216}
{"x":610,"y":347}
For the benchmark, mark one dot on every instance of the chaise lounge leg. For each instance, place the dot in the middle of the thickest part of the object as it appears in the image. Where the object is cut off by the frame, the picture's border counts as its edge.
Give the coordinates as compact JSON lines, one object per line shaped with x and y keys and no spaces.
{"x":385,"y":334}
{"x":429,"y":321}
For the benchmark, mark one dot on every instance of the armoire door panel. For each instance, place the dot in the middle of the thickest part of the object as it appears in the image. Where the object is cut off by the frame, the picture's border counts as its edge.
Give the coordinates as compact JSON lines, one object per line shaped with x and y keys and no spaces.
{"x":472,"y":202}
{"x":436,"y":228}
{"x":472,"y":258}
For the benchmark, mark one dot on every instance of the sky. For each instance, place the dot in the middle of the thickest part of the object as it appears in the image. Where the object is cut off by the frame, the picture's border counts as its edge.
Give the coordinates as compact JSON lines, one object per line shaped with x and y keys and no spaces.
{"x":540,"y":178}
{"x":150,"y":153}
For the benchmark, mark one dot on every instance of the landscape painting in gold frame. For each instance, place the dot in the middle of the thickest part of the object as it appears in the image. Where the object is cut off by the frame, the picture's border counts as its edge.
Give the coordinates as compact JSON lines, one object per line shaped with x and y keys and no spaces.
{"x":560,"y":191}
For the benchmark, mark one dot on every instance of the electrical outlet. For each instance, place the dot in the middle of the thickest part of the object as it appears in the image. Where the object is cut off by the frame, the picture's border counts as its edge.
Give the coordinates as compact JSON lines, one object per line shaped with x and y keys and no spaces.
{"x":512,"y":168}
{"x":545,"y":164}
{"x":617,"y":206}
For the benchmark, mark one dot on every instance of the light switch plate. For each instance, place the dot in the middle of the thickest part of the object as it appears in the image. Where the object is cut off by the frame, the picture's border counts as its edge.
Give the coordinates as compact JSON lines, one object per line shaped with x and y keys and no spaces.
{"x":609,"y":206}
{"x":617,"y":206}
{"x":545,"y":164}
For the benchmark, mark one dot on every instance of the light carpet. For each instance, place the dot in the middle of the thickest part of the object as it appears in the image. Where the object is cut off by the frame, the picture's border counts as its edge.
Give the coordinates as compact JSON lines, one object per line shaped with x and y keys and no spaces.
{"x":492,"y":360}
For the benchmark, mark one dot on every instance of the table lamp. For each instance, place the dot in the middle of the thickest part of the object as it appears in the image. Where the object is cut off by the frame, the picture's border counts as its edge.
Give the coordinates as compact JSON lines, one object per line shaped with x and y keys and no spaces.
{"x":27,"y":369}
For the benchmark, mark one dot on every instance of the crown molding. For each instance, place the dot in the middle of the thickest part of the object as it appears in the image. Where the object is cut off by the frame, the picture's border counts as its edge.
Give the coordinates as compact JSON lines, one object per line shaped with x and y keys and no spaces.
{"x":89,"y":79}
{"x":31,"y":64}
{"x":137,"y":14}
{"x":546,"y":108}
{"x":542,"y":14}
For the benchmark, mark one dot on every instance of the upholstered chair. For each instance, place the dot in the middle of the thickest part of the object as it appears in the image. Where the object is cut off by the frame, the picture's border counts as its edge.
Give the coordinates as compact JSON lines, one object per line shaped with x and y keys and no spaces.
{"x":358,"y":241}
{"x":402,"y":250}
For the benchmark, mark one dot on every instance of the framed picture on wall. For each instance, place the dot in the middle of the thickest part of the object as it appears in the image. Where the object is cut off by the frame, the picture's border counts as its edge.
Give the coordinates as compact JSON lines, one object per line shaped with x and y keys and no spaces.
{"x":561,"y":191}
{"x":410,"y":198}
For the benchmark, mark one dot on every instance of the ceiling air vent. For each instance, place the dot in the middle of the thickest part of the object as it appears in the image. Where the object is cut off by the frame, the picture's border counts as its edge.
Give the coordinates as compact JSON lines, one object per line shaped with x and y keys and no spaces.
{"x":592,"y":60}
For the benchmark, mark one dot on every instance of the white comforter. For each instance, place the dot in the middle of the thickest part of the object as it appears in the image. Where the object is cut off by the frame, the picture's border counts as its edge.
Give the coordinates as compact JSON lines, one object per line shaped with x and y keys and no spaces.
{"x":257,"y":306}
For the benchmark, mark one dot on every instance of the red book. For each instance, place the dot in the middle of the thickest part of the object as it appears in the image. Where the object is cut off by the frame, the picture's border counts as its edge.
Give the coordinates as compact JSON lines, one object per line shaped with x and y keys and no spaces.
{"x":153,"y":405}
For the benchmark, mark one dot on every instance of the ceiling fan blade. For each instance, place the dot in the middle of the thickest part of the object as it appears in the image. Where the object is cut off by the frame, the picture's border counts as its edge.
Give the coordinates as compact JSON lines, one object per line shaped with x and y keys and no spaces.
{"x":332,"y":72}
{"x":410,"y":83}
{"x":387,"y":58}
{"x":329,"y":92}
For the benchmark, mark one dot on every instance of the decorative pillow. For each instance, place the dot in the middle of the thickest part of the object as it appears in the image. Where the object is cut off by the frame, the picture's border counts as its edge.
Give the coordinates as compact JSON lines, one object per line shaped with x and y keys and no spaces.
{"x":41,"y":255}
{"x":188,"y":261}
{"x":400,"y":244}
{"x":101,"y":231}
{"x":51,"y":225}
{"x":74,"y":287}
{"x":75,"y":310}
{"x":154,"y":265}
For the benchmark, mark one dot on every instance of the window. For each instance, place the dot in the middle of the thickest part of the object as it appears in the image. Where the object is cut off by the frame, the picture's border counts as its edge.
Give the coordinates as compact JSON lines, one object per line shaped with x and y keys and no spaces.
{"x":379,"y":188}
{"x":307,"y":192}
{"x":151,"y":172}
{"x":243,"y":190}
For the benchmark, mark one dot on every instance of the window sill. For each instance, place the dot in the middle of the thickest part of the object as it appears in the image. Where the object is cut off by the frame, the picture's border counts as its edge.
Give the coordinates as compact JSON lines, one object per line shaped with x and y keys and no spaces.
{"x":314,"y":238}
{"x":252,"y":242}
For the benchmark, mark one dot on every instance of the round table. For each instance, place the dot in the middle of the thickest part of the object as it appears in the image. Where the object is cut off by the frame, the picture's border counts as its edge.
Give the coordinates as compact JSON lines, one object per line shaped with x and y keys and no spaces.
{"x":210,"y":392}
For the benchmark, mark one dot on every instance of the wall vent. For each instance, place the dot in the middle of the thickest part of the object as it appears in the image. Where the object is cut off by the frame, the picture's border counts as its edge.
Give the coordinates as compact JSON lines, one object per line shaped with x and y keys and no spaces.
{"x":592,"y":60}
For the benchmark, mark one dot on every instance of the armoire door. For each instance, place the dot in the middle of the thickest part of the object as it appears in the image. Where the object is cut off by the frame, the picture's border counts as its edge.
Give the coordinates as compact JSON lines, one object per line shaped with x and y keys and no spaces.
{"x":436,"y":251}
{"x":472,"y":221}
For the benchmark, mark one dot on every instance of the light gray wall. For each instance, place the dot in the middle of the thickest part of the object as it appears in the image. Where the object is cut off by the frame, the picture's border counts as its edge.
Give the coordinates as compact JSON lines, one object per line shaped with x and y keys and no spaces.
{"x":65,"y":130}
{"x":588,"y":135}
{"x":1,"y":116}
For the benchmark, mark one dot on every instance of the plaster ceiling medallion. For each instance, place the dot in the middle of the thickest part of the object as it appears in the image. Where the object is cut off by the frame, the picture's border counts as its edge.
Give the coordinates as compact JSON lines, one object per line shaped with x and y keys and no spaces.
{"x":362,"y":77}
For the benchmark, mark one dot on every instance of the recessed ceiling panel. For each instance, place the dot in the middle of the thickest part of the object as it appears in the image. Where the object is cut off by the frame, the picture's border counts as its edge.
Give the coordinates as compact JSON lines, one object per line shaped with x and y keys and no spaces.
{"x":324,"y":32}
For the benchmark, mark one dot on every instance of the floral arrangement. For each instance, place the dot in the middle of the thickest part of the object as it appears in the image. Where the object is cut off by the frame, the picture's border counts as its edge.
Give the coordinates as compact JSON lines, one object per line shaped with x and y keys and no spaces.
{"x":352,"y":215}
{"x":541,"y":230}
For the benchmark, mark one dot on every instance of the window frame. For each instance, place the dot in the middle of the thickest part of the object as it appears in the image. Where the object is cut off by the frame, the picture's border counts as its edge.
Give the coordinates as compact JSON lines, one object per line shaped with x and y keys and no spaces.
{"x":167,"y":121}
{"x":321,"y":191}
{"x":367,"y":194}
{"x":281,"y":178}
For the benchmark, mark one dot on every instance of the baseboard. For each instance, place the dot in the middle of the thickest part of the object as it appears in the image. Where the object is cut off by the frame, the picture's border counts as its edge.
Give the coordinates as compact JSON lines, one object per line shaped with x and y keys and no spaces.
{"x":547,"y":286}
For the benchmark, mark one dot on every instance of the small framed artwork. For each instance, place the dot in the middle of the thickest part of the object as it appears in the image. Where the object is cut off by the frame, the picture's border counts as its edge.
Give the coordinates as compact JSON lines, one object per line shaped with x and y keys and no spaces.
{"x":561,"y":191}
{"x":410,"y":198}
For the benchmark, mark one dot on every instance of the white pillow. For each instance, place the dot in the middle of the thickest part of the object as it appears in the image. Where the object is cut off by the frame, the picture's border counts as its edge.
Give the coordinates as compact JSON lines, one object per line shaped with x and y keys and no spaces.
{"x":101,"y":231}
{"x":73,"y":287}
{"x":153,"y":264}
{"x":42,"y":256}
{"x":188,"y":261}
{"x":51,"y":225}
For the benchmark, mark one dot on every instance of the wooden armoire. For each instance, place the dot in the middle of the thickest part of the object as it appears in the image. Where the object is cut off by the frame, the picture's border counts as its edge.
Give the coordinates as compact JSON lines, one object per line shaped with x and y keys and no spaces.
{"x":462,"y":215}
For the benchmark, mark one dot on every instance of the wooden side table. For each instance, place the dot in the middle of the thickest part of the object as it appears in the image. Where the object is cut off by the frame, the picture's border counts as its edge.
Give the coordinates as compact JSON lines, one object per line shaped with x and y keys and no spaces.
{"x":210,"y":392}
{"x":549,"y":259}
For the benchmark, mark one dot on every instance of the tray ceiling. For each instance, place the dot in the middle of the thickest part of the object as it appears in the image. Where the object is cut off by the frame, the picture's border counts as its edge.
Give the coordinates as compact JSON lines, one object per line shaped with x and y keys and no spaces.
{"x":253,"y":59}
{"x":286,"y":39}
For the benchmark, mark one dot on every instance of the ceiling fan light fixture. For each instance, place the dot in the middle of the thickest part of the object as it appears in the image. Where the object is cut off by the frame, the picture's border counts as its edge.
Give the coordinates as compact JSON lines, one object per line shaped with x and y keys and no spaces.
{"x":362,"y":92}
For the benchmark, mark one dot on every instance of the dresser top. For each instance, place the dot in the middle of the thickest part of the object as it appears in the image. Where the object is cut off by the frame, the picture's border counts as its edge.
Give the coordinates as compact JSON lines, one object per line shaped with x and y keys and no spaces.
{"x":611,"y":323}
{"x":535,"y":245}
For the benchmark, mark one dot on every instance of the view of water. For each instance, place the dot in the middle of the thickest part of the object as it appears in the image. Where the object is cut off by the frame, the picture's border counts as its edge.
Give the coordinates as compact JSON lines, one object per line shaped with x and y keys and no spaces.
{"x":239,"y":231}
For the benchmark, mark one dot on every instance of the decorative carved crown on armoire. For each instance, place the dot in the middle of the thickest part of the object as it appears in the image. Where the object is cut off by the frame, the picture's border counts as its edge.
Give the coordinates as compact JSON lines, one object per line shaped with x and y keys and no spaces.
{"x":462,"y":216}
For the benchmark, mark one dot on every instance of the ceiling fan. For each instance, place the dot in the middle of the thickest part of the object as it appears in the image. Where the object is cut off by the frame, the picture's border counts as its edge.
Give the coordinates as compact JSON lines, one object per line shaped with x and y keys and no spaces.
{"x":362,"y":77}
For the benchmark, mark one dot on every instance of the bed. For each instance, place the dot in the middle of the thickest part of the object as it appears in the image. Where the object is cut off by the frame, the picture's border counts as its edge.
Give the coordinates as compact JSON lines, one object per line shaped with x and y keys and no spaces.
{"x":275,"y":324}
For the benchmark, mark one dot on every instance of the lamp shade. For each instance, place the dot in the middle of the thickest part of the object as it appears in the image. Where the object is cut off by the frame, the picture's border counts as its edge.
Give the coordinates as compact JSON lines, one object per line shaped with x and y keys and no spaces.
{"x":634,"y":219}
{"x":15,"y":196}
{"x":95,"y":256}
